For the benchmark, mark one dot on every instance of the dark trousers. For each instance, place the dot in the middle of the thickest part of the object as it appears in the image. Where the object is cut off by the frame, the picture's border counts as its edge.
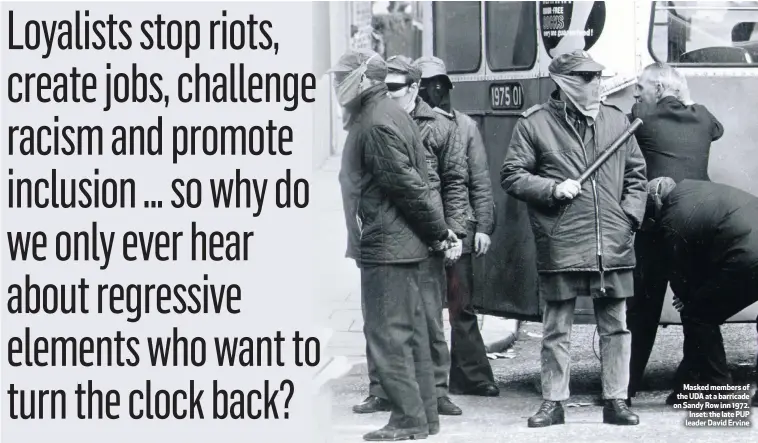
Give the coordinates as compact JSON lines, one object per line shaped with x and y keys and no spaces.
{"x":397,"y":342}
{"x":705,"y":308}
{"x":469,"y":366}
{"x":431,"y":277}
{"x":651,"y":277}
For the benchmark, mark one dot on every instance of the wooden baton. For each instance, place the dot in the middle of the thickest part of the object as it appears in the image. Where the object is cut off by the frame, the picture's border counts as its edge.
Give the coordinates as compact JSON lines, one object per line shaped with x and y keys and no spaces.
{"x":610,"y":151}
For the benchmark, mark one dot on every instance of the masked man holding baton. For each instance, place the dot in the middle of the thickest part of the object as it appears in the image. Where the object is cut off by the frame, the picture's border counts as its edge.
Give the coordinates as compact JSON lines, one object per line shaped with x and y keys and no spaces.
{"x":583,"y":229}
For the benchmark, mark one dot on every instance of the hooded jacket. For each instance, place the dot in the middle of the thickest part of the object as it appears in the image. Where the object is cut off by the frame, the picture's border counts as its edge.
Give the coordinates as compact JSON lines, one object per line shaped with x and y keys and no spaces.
{"x":390,"y":210}
{"x":595,"y":230}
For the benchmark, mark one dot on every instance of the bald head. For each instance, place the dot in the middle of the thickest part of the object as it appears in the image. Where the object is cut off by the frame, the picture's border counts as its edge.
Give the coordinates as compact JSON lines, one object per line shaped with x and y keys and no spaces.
{"x":660,"y":80}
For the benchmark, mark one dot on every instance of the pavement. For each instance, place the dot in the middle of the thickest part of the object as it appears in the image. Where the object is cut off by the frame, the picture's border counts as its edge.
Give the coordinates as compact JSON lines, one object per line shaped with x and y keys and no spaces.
{"x":501,"y":419}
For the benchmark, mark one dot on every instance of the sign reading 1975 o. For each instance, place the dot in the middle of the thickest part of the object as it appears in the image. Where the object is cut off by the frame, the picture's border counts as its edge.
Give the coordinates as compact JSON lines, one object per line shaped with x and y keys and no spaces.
{"x":567,"y":26}
{"x":506,"y":96}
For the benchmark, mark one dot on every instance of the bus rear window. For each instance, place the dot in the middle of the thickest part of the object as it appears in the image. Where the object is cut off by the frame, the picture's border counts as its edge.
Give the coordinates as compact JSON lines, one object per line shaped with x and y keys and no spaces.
{"x":511,"y":35}
{"x":705,"y":33}
{"x":458,"y":35}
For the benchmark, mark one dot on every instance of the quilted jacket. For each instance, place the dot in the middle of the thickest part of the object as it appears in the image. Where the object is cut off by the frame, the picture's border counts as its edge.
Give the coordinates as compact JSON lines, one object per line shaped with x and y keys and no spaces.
{"x":446,"y":160}
{"x":390,"y":211}
{"x":480,"y":205}
{"x":595,"y":230}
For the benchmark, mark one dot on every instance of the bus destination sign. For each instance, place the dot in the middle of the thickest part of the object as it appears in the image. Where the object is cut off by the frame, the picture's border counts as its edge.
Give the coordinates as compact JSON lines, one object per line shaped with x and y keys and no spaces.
{"x":506,"y":96}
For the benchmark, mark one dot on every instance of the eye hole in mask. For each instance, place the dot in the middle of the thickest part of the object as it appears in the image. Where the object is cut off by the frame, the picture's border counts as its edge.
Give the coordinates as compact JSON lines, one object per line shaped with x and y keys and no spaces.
{"x":586,"y":76}
{"x":394,"y":87}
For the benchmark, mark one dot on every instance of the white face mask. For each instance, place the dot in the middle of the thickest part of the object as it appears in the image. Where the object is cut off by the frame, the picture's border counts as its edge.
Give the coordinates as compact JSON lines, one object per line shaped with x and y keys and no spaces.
{"x":406,"y":96}
{"x":584,"y":96}
{"x":351,"y":87}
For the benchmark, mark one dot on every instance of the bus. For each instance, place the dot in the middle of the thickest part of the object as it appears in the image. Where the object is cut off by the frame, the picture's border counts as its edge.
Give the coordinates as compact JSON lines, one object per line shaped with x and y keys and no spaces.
{"x":497,"y":55}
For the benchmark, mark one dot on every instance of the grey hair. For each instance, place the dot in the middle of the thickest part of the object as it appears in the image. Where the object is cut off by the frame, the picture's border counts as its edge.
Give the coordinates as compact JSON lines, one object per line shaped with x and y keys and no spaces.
{"x":670,"y":79}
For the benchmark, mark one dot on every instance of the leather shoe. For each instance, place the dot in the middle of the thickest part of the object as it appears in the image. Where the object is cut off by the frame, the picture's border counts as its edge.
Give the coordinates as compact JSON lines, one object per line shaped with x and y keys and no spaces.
{"x":445,"y":406}
{"x":599,"y":401}
{"x":391,"y":433}
{"x":616,"y":412}
{"x":372,"y":404}
{"x":484,"y":390}
{"x":550,"y":413}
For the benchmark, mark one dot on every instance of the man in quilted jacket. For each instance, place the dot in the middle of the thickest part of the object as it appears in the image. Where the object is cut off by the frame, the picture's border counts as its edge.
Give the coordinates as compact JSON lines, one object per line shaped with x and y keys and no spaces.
{"x":392,"y":221}
{"x":446,"y":161}
{"x":470,"y":370}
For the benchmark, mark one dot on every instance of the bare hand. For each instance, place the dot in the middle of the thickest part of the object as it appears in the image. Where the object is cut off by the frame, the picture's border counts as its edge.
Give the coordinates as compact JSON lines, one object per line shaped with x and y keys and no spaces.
{"x":482,"y":243}
{"x":678,"y":304}
{"x":453,"y":253}
{"x":567,"y":190}
{"x":447,"y":243}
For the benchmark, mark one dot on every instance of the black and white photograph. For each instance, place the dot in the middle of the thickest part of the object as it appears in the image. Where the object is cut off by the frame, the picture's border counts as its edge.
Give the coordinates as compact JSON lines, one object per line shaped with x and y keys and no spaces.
{"x":540,"y":220}
{"x":344,"y":221}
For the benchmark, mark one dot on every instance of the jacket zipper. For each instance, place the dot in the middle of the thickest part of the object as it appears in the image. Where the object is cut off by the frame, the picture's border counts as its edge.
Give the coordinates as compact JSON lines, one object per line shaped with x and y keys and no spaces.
{"x":598,"y":236}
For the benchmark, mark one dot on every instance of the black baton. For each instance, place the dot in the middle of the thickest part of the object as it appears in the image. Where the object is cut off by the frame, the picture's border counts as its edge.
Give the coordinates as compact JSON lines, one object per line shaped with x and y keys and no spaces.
{"x":610,"y":151}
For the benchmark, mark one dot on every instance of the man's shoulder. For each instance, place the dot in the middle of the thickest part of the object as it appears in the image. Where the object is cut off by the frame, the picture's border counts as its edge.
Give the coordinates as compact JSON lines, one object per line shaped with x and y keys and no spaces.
{"x":534,"y":110}
{"x":613,"y":108}
{"x":444,"y":114}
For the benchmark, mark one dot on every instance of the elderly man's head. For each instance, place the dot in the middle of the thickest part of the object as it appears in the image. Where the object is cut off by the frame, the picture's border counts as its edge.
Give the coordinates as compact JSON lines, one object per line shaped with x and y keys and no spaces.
{"x":355,"y":72}
{"x":660,"y":80}
{"x":402,"y":81}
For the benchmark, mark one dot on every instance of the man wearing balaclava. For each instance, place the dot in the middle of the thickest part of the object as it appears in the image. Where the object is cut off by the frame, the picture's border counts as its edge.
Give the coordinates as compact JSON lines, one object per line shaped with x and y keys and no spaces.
{"x":392,"y":221}
{"x":711,"y":245}
{"x":447,"y":175}
{"x":584,"y":233}
{"x":470,"y":370}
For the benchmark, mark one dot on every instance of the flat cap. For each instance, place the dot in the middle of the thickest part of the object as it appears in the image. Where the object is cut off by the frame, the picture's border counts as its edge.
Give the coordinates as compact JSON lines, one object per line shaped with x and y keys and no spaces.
{"x":431,"y":67}
{"x":400,"y":64}
{"x":575,"y":61}
{"x":353,"y":59}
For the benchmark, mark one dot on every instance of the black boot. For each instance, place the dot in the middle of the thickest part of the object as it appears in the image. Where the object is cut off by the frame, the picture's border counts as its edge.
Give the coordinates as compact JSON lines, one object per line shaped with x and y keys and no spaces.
{"x":483,"y":390}
{"x":616,"y":412}
{"x":372,"y":404}
{"x":445,"y":406}
{"x":391,"y":433}
{"x":550,"y":413}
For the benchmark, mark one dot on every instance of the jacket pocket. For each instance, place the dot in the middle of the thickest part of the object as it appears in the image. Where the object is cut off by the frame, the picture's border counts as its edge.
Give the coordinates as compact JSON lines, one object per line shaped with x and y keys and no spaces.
{"x":561,"y":214}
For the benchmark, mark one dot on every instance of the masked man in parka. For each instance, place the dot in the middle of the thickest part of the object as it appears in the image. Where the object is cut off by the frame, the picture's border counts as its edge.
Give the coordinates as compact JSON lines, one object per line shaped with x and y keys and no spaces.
{"x":584,"y":233}
{"x":446,"y":161}
{"x":392,"y":220}
{"x":470,"y":370}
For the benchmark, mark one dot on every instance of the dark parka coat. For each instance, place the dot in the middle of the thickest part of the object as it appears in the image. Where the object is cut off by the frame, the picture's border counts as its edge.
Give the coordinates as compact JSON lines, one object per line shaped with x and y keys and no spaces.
{"x":545,"y":150}
{"x":480,"y":209}
{"x":390,"y":211}
{"x":446,"y":160}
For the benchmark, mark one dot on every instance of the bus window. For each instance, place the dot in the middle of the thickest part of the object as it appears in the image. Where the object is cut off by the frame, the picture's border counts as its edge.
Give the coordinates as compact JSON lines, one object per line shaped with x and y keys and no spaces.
{"x":457,"y":35}
{"x":511,"y":35}
{"x":705,"y":33}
